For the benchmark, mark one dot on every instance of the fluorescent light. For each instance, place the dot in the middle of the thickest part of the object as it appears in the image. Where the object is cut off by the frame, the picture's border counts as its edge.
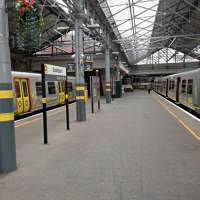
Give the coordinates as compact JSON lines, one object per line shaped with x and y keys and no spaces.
{"x":115,"y":53}
{"x":93,"y":26}
{"x":63,"y":28}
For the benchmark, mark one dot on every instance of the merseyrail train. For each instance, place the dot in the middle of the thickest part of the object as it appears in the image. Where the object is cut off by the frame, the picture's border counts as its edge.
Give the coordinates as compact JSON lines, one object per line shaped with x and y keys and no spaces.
{"x":27,"y":90}
{"x":183,"y":88}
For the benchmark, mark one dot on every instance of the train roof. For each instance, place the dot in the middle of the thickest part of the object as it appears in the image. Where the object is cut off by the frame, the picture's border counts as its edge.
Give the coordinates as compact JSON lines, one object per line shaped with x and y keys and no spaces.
{"x":26,"y":74}
{"x":196,"y":71}
{"x":32,"y":74}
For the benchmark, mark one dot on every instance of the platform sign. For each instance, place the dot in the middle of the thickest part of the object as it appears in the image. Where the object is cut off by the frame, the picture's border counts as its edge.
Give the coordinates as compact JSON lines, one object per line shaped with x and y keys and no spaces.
{"x":54,"y":73}
{"x":55,"y":70}
{"x":58,"y":75}
{"x":88,"y":66}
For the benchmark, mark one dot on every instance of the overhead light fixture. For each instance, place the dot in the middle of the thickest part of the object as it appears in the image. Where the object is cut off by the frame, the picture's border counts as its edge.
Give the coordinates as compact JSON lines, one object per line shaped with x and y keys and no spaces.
{"x":93,"y":26}
{"x":98,"y":54}
{"x":62,"y":28}
{"x":115,"y":53}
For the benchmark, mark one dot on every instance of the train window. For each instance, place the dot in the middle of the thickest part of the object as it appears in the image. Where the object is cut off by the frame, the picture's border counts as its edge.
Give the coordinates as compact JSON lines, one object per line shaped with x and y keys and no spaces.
{"x":38,"y":86}
{"x":183,"y":87}
{"x":51,"y":88}
{"x":190,"y":86}
{"x":17,"y":89}
{"x":25,"y":89}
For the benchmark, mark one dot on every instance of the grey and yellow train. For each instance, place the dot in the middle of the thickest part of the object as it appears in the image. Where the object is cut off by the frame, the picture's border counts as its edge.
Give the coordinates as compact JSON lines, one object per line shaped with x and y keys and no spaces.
{"x":27,"y":90}
{"x":183,"y":88}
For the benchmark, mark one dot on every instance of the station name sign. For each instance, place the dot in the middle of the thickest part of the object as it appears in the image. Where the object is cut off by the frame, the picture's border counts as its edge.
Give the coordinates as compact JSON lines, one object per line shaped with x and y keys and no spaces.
{"x":55,"y":70}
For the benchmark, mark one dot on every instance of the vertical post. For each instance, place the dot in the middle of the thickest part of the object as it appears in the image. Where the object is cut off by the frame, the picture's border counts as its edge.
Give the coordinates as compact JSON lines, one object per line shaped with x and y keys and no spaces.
{"x":67,"y":101}
{"x":91,"y":94}
{"x":7,"y":129}
{"x":80,"y":82}
{"x":118,"y":69}
{"x":98,"y":92}
{"x":44,"y":104}
{"x":107,"y":63}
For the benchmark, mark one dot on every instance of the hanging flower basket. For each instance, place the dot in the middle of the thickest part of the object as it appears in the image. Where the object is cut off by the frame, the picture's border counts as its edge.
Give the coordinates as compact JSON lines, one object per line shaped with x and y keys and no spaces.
{"x":29,"y":24}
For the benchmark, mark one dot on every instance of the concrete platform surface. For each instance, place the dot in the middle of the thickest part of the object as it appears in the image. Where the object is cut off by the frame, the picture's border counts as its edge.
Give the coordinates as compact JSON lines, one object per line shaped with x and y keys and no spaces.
{"x":134,"y":149}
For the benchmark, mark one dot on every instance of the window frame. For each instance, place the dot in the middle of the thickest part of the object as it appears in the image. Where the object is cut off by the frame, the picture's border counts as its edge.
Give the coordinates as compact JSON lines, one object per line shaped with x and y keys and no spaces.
{"x":50,"y":87}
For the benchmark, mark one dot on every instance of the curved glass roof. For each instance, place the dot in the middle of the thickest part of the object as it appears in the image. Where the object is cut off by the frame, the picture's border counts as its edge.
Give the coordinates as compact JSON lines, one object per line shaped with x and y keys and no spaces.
{"x":134,"y":20}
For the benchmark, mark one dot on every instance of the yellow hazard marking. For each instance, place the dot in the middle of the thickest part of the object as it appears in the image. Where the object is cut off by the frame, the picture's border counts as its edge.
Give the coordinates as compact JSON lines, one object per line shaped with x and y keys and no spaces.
{"x":6,"y":94}
{"x":108,"y":90}
{"x":44,"y":100}
{"x":45,"y":69}
{"x":80,"y":88}
{"x":190,"y":130}
{"x":80,"y":98}
{"x":5,"y":117}
{"x":37,"y":119}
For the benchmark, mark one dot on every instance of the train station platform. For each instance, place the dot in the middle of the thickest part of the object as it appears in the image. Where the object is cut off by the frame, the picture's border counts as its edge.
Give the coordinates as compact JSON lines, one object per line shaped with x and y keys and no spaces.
{"x":140,"y":147}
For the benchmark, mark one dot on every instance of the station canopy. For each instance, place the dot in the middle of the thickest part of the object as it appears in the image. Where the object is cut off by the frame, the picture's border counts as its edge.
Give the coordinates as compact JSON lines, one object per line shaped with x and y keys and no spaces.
{"x":139,"y":27}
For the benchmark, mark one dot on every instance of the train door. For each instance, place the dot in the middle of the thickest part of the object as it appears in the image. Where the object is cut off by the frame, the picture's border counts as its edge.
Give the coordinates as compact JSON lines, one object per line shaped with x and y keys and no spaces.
{"x":61,"y":86}
{"x":178,"y":88}
{"x":19,"y":97}
{"x":26,"y":95}
{"x":23,"y":103}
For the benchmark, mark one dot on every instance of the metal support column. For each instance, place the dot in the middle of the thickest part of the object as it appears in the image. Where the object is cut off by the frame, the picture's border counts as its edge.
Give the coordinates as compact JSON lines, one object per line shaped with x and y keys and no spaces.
{"x":7,"y":130}
{"x":118,"y":69}
{"x":107,"y":63}
{"x":80,"y":81}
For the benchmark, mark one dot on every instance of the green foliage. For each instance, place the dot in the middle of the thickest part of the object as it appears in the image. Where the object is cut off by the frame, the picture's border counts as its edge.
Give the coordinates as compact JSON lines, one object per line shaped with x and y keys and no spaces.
{"x":30,"y":23}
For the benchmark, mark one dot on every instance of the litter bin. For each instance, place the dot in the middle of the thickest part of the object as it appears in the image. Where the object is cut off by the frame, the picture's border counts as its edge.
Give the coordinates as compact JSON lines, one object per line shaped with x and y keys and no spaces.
{"x":118,"y":89}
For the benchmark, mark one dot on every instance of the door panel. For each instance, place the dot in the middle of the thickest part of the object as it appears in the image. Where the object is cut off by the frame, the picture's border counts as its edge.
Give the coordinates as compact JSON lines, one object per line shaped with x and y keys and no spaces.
{"x":26,"y":95}
{"x":19,"y":96}
{"x":61,"y":92}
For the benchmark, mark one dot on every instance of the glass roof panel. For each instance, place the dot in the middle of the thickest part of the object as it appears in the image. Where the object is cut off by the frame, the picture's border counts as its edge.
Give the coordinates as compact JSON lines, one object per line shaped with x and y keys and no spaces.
{"x":135,"y":22}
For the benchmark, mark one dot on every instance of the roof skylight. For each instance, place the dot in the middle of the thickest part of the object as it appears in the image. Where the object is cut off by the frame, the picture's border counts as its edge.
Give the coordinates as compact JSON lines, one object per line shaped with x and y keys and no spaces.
{"x":135,"y":22}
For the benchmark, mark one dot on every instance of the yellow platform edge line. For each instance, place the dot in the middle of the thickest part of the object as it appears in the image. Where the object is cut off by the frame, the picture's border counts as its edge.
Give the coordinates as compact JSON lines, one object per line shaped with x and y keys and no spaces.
{"x":36,"y":119}
{"x":190,"y":130}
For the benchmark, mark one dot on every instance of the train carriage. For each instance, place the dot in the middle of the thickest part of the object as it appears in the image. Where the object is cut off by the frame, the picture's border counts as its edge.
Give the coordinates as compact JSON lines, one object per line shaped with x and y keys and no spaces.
{"x":27,"y":89}
{"x":183,"y":88}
